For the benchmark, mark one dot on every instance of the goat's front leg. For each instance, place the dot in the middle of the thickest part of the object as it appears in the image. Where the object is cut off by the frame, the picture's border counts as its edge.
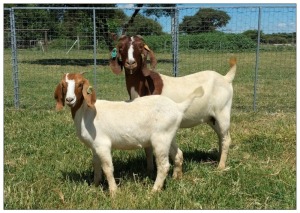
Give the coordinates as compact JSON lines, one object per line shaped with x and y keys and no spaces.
{"x":105,"y":157}
{"x":97,"y":169}
{"x":149,"y":156}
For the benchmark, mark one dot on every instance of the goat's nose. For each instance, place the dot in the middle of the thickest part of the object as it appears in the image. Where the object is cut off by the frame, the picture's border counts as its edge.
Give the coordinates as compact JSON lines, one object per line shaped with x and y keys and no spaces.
{"x":69,"y":99}
{"x":130,"y":62}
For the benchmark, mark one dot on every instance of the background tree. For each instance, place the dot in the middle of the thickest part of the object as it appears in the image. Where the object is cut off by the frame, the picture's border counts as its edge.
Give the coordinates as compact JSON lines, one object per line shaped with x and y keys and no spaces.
{"x":205,"y":20}
{"x":144,"y":26}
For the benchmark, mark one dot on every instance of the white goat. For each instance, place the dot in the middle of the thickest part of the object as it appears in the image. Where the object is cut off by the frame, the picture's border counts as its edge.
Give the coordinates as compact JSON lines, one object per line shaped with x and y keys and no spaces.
{"x":150,"y":121}
{"x":214,"y":108}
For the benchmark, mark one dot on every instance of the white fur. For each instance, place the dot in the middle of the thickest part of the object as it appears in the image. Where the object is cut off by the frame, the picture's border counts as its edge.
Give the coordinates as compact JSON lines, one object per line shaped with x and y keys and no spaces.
{"x":150,"y":121}
{"x":130,"y":52}
{"x":70,"y":92}
{"x":213,"y":108}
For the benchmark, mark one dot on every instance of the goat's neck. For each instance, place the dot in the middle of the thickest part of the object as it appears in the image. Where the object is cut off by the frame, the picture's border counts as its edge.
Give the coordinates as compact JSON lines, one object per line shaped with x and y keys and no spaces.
{"x":79,"y":105}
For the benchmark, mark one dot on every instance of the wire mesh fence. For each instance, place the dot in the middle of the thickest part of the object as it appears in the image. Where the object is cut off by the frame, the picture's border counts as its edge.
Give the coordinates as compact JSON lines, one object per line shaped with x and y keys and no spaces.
{"x":50,"y":41}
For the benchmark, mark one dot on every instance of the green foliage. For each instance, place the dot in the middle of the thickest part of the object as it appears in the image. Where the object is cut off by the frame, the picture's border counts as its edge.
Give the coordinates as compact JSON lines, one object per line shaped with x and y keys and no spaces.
{"x":205,"y":41}
{"x":205,"y":20}
{"x":144,"y":26}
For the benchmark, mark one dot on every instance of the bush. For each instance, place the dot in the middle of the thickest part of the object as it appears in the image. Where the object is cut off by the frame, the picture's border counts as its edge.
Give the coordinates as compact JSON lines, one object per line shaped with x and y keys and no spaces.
{"x":206,"y":41}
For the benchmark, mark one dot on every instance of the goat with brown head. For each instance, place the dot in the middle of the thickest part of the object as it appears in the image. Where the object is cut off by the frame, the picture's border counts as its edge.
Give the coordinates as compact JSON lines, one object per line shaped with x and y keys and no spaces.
{"x":73,"y":90}
{"x":131,"y":53}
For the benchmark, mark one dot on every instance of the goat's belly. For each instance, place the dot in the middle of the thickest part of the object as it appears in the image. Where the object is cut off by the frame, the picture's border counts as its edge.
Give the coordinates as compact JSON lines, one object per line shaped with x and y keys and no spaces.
{"x":127,"y":142}
{"x":130,"y":141}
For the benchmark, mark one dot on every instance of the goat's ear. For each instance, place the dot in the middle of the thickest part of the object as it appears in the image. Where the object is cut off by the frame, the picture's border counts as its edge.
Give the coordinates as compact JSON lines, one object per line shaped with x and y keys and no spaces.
{"x":89,"y":94}
{"x":153,"y":60}
{"x":114,"y":62}
{"x":59,"y":97}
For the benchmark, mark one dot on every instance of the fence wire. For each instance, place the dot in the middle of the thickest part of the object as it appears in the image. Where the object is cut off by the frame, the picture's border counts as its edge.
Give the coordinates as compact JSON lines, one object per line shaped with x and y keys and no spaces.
{"x":50,"y":41}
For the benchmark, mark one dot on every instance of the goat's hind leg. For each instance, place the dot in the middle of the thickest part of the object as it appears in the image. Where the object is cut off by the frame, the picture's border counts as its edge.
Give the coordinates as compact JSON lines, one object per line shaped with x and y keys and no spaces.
{"x":161,"y":151}
{"x":177,"y":157}
{"x":221,"y":127}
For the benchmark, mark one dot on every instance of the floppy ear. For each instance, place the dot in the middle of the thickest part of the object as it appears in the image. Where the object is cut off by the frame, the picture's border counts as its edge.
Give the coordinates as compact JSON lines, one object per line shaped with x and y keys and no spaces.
{"x":59,"y":97}
{"x":114,"y":63}
{"x":153,"y":61}
{"x":89,"y":94}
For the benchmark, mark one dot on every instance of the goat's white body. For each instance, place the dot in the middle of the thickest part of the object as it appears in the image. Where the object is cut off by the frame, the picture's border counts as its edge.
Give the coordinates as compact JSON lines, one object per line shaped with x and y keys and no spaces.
{"x":217,"y":95}
{"x":150,"y":121}
{"x":213,"y":108}
{"x":127,"y":125}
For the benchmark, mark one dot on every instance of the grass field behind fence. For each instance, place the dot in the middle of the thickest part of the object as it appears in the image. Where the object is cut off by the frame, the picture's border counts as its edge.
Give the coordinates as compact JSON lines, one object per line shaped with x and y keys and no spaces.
{"x":47,"y":167}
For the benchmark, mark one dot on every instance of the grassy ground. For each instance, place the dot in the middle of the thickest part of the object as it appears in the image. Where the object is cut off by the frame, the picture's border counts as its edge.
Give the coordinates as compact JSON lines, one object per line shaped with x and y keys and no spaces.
{"x":46,"y":166}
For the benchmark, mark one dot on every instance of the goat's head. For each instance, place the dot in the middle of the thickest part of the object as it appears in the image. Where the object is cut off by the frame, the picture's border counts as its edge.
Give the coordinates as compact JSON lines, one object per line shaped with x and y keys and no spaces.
{"x":72,"y":90}
{"x":132,"y":53}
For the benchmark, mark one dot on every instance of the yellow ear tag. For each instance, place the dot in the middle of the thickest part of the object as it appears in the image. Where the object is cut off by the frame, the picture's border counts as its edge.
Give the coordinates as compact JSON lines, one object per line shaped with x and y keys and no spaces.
{"x":89,"y":90}
{"x":146,"y":47}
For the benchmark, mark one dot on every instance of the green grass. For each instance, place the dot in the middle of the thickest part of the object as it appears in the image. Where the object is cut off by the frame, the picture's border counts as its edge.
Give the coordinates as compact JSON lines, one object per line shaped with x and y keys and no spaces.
{"x":47,"y":167}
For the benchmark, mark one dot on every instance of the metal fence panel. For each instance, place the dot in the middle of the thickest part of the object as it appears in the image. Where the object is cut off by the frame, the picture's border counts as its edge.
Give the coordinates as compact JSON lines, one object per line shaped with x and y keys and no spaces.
{"x":51,"y":41}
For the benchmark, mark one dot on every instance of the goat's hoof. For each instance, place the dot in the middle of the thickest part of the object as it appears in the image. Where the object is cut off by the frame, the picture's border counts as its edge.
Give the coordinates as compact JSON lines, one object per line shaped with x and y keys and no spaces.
{"x":223,"y":168}
{"x":112,"y":192}
{"x":177,"y":175}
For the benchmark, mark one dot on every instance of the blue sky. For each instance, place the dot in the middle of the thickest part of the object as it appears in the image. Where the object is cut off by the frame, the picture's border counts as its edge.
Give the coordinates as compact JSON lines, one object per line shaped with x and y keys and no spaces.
{"x":275,"y":18}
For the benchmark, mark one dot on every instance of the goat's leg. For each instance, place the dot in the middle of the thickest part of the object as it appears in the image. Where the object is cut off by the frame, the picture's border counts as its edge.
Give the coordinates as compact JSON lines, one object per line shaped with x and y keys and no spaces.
{"x":97,"y":169}
{"x":177,"y":157}
{"x":106,"y":163}
{"x":149,"y":156}
{"x":224,"y":143}
{"x":221,"y":126}
{"x":161,"y":152}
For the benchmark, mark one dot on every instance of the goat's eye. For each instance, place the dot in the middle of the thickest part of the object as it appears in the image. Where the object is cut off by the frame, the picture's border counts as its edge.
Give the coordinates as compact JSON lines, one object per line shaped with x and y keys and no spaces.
{"x":80,"y":84}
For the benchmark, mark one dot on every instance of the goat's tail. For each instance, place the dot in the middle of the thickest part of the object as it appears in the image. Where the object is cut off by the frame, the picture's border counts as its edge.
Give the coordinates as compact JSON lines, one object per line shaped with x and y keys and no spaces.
{"x":198,"y":93}
{"x":231,"y":73}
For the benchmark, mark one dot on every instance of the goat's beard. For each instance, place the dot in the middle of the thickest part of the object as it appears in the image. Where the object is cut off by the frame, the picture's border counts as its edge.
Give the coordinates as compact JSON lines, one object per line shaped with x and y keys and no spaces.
{"x":130,"y":71}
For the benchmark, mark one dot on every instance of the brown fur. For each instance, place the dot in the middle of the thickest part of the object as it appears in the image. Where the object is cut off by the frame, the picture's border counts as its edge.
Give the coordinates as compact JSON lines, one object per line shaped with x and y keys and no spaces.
{"x":81,"y":88}
{"x":145,"y":81}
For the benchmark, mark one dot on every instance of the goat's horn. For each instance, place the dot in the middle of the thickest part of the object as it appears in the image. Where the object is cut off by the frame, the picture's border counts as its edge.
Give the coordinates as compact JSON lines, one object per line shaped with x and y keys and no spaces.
{"x":81,"y":73}
{"x":139,"y":36}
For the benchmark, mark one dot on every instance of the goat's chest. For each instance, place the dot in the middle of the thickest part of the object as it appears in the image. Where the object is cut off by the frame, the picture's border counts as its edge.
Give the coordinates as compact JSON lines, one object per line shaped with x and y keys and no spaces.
{"x":85,"y":130}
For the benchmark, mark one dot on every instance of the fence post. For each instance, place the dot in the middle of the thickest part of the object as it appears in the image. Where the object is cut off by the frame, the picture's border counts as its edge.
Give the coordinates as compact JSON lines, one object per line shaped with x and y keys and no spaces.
{"x":95,"y":50}
{"x":14,"y":59}
{"x":175,"y":41}
{"x":257,"y":58}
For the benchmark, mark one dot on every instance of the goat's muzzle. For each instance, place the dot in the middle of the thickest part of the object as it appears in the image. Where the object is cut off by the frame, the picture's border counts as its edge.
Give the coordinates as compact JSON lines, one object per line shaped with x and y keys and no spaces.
{"x":70,"y":101}
{"x":130,"y":66}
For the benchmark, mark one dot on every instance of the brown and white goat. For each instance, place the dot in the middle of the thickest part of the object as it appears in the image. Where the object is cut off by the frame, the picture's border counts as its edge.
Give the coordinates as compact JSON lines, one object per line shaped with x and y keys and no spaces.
{"x":214,"y":108}
{"x":101,"y":125}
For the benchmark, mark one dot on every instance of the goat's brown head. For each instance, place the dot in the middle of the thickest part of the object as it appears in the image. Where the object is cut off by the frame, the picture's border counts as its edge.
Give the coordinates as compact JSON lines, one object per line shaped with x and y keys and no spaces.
{"x":132,"y":53}
{"x":72,"y":90}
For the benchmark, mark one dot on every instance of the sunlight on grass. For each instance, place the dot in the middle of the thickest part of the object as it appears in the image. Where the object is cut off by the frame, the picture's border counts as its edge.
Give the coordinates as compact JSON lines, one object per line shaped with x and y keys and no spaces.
{"x":47,"y":167}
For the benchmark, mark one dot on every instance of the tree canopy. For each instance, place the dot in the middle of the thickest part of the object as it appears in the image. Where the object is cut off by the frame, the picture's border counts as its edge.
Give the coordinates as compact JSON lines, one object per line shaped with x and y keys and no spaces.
{"x":205,"y":20}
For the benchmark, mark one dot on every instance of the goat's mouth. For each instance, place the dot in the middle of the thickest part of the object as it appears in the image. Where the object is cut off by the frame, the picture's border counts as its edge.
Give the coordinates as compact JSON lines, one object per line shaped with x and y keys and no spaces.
{"x":130,"y":68}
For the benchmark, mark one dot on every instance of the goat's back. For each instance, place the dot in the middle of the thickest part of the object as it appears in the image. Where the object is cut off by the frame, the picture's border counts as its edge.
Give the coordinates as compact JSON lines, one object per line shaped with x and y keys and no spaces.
{"x":218,"y":94}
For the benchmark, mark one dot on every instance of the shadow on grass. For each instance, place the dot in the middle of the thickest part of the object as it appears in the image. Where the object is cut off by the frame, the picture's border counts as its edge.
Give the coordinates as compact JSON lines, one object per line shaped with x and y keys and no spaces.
{"x":135,"y":168}
{"x":78,"y":62}
{"x":202,"y":156}
{"x":68,"y":62}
